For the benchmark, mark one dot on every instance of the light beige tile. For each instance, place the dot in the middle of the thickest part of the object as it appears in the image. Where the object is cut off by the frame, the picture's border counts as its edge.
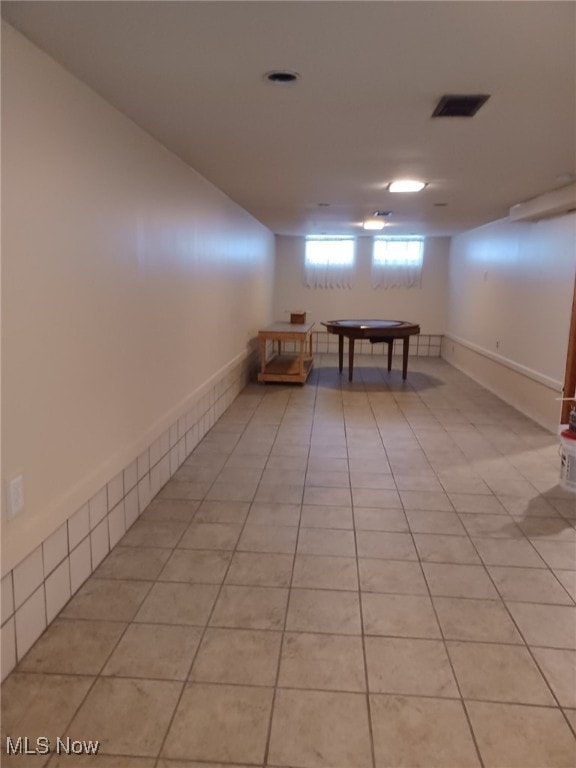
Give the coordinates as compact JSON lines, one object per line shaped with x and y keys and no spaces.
{"x":327,"y":496}
{"x":435,"y":522}
{"x":73,"y":647}
{"x":491,"y":526}
{"x":498,"y":673}
{"x":211,"y":536}
{"x":36,"y":705}
{"x":273,"y":514}
{"x":173,"y":603}
{"x":196,"y":566}
{"x":518,"y":736}
{"x":568,"y":581}
{"x":528,"y":508}
{"x":99,"y":542}
{"x":557,"y":554}
{"x":480,"y":620}
{"x":315,"y":729}
{"x":392,"y":576}
{"x":375,"y":519}
{"x":323,"y":662}
{"x":389,"y":546}
{"x":272,"y":476}
{"x":154,"y":651}
{"x":412,"y":732}
{"x":243,"y":491}
{"x":477,"y":504}
{"x":312,"y":610}
{"x":449,"y":580}
{"x":379,"y":480}
{"x":260,"y":569}
{"x":434,"y":548}
{"x":118,"y":712}
{"x":283,"y":494}
{"x":190,"y":491}
{"x":531,"y":585}
{"x":508,"y":552}
{"x":325,"y":572}
{"x":416,"y":667}
{"x":7,"y":597}
{"x":104,"y":761}
{"x":107,"y":600}
{"x":268,"y":538}
{"x":250,"y":608}
{"x":141,"y":563}
{"x":154,"y":534}
{"x":319,"y":478}
{"x":222,"y":512}
{"x":559,"y":668}
{"x":376,"y":497}
{"x":327,"y":517}
{"x":170,"y":510}
{"x":238,"y":656}
{"x":552,"y":626}
{"x":416,"y":483}
{"x":426,"y":500}
{"x":325,"y":541}
{"x":220,"y":723}
{"x":399,"y":615}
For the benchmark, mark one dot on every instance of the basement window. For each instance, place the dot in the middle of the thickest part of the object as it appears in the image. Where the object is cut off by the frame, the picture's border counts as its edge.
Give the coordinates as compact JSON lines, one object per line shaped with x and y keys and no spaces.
{"x":397,"y":262}
{"x":329,"y":262}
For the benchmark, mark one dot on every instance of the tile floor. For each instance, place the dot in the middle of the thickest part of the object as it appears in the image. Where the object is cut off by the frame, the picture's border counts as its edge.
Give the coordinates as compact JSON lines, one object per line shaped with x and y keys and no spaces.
{"x":340,"y":576}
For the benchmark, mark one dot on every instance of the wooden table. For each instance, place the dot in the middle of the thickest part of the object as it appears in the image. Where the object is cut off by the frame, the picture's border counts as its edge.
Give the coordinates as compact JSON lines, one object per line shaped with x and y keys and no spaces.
{"x":376,"y":331}
{"x":286,"y":367}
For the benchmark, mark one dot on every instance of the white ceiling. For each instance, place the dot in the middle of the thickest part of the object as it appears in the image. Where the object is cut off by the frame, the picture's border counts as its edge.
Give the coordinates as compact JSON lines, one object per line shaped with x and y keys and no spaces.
{"x":191,"y":74}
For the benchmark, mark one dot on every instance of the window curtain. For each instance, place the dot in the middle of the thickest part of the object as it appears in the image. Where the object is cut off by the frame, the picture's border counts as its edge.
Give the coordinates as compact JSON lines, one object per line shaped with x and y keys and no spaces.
{"x":329,"y":263}
{"x":397,"y":263}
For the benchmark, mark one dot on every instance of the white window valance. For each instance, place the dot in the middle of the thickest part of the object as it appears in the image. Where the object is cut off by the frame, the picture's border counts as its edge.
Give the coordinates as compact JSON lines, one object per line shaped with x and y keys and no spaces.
{"x":329,"y":262}
{"x":397,"y":262}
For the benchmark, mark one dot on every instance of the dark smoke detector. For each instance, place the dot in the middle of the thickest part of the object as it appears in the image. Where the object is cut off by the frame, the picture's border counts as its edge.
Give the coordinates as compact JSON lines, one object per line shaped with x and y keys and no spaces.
{"x":460,"y":106}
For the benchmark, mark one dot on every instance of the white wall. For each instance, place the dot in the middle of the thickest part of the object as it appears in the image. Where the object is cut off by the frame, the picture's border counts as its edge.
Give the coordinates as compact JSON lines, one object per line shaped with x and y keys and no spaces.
{"x":425,"y":305}
{"x":511,"y":288}
{"x":128,"y":282}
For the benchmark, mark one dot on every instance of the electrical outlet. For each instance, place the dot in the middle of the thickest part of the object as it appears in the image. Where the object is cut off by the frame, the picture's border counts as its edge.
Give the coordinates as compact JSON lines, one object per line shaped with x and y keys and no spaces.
{"x":15,"y":495}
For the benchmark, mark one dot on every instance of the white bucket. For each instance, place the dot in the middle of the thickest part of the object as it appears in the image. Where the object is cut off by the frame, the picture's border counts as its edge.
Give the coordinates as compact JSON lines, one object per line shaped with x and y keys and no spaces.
{"x":568,"y":463}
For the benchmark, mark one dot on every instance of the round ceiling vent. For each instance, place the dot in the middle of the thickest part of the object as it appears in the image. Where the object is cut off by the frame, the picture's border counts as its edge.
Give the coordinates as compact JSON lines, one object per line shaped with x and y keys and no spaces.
{"x":281,"y":77}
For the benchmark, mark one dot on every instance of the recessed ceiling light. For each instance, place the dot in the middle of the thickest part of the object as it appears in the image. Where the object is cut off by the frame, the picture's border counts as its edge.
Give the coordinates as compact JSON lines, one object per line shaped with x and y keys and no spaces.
{"x":406,"y":185}
{"x":373,"y":224}
{"x":382,"y":213}
{"x":281,"y":77}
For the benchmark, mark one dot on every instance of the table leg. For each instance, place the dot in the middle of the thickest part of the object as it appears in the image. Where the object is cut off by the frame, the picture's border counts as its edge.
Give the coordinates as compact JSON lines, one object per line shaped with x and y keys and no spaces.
{"x":262,"y":354}
{"x":390,"y":348}
{"x":405,"y":356}
{"x":350,"y":358}
{"x":301,"y":368}
{"x":340,"y":352}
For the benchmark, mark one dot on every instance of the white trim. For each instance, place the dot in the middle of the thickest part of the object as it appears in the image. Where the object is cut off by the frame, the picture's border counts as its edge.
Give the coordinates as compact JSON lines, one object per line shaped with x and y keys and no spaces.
{"x":541,"y":378}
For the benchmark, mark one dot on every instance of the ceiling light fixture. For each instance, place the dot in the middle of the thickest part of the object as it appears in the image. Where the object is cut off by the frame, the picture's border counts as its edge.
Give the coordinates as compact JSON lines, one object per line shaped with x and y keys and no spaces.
{"x":281,"y":77}
{"x":406,"y":185}
{"x":373,"y":224}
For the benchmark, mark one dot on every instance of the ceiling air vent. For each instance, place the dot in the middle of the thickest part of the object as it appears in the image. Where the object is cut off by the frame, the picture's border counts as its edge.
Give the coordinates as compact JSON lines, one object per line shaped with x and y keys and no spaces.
{"x":459,"y":106}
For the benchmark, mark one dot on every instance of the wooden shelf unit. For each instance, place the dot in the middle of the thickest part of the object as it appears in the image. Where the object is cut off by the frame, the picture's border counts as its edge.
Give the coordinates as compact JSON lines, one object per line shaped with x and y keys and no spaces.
{"x":288,"y":368}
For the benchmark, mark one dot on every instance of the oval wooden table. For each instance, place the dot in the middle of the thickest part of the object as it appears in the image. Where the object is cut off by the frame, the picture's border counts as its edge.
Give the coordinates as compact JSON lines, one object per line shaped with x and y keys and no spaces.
{"x":376,"y":331}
